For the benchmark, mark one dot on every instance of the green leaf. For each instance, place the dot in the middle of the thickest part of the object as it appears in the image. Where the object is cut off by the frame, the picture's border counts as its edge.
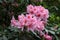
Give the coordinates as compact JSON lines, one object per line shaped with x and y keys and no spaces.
{"x":46,"y":30}
{"x":0,"y":1}
{"x":4,"y":37}
{"x":16,"y":38}
{"x":52,"y":32}
{"x":56,"y":37}
{"x":36,"y":35}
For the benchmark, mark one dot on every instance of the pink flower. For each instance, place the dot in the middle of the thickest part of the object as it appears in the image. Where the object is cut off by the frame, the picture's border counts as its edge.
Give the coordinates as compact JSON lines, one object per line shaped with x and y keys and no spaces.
{"x":30,"y":9}
{"x":41,"y":8}
{"x":35,"y":10}
{"x":47,"y":37}
{"x":15,"y":22}
{"x":21,"y":19}
{"x":45,"y":14}
{"x":40,"y":25}
{"x":34,"y":20}
{"x":30,"y":22}
{"x":39,"y":11}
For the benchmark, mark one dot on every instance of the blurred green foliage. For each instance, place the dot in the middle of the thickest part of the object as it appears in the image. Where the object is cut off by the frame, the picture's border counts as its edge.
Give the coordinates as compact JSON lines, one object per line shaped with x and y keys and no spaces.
{"x":8,"y":8}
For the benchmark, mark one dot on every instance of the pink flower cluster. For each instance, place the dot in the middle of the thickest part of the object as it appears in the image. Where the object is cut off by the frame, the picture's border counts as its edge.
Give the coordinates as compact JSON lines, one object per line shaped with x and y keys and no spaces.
{"x":39,"y":11}
{"x":35,"y":19}
{"x":47,"y":37}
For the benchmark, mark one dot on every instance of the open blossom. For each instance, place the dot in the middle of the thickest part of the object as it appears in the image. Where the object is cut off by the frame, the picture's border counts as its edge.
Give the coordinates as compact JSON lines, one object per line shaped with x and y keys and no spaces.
{"x":34,"y":20}
{"x":30,"y":9}
{"x":15,"y":22}
{"x":30,"y":22}
{"x":21,"y":19}
{"x":38,"y":11}
{"x":47,"y":37}
{"x":40,"y":25}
